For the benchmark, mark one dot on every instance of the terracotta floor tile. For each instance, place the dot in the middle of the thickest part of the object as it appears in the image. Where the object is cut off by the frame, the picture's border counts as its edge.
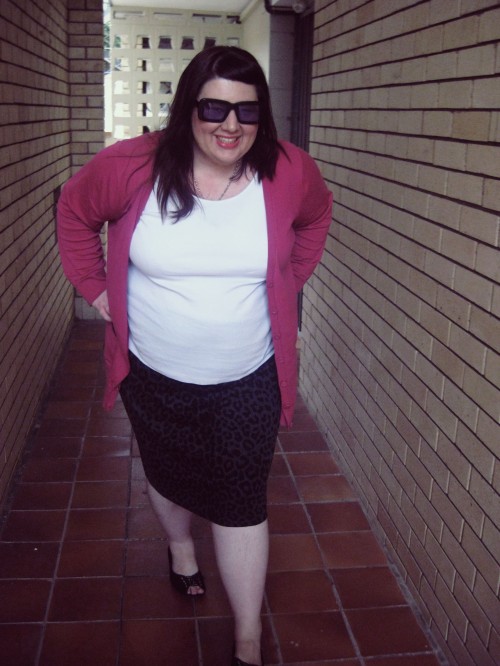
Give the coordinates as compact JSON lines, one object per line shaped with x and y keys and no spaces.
{"x":372,"y":587}
{"x":341,"y":516}
{"x":106,"y":446}
{"x":154,"y":598}
{"x":279,"y":466}
{"x":346,"y":550}
{"x":300,"y":591}
{"x":382,"y":631}
{"x":306,"y":464}
{"x":28,"y":560}
{"x":302,"y":441}
{"x":420,"y":659}
{"x":137,"y":472}
{"x":56,"y":427}
{"x":100,"y":494}
{"x":42,"y":496}
{"x":293,"y":552}
{"x":288,"y":519}
{"x":34,"y":526}
{"x":146,"y":558}
{"x":102,"y":426}
{"x":302,"y":421}
{"x":45,"y":470}
{"x":215,"y":602}
{"x":92,"y":558}
{"x":138,"y":494}
{"x":82,"y":643}
{"x":118,"y":411}
{"x":73,"y":393}
{"x":327,"y":488}
{"x":56,"y":447}
{"x":66,"y":409}
{"x":216,"y":641}
{"x":143,"y":524}
{"x":19,"y":643}
{"x":159,"y":642}
{"x":86,"y":599}
{"x":313,"y":636}
{"x":281,"y":490}
{"x":91,"y":524}
{"x":24,"y":600}
{"x":103,"y":469}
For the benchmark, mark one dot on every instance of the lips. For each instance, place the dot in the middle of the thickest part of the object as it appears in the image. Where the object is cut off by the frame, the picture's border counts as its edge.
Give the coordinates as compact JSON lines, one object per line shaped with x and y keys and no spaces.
{"x":227,"y":141}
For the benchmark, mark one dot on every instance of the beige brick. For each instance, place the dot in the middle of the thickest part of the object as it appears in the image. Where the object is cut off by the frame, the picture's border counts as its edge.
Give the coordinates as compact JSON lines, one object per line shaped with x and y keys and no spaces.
{"x":464,"y":32}
{"x":482,"y":558}
{"x":449,"y":363}
{"x":475,"y":614}
{"x":427,"y":96}
{"x":467,"y":346}
{"x":452,"y":609}
{"x":479,"y":224}
{"x":485,"y":94}
{"x":489,"y":26}
{"x":430,"y":39}
{"x":446,"y":420}
{"x":442,"y":66}
{"x":466,"y":187}
{"x":460,"y":404}
{"x":456,"y":95}
{"x":484,"y":159}
{"x":472,"y":286}
{"x":450,"y":154}
{"x":488,"y":262}
{"x":460,"y":249}
{"x":471,"y":125}
{"x":491,"y":194}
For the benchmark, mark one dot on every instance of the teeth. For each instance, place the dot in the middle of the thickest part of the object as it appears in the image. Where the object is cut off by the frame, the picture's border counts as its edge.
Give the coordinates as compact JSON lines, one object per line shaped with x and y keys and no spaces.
{"x":224,"y":139}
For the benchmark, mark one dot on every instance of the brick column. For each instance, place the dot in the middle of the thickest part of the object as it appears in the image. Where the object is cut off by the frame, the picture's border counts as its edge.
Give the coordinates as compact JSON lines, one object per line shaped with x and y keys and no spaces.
{"x":86,"y":62}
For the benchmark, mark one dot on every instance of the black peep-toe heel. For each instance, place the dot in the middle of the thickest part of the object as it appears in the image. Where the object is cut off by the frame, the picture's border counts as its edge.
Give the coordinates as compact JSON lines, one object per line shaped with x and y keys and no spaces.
{"x":183,"y":583}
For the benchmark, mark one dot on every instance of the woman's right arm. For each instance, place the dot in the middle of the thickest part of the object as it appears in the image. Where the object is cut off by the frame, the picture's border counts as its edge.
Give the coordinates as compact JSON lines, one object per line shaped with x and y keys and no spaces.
{"x":87,"y":202}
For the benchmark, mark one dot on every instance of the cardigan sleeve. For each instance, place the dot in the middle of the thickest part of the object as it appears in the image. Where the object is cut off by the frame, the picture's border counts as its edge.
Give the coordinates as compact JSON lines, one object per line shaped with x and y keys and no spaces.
{"x":312,"y":222}
{"x":100,"y":192}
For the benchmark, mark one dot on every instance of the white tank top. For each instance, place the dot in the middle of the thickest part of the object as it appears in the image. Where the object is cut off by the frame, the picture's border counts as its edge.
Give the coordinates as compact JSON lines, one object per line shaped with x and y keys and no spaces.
{"x":197,"y":301}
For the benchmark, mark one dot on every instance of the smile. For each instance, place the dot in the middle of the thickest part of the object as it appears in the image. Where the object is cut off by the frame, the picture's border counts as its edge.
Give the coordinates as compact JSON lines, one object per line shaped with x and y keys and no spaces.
{"x":227,"y":139}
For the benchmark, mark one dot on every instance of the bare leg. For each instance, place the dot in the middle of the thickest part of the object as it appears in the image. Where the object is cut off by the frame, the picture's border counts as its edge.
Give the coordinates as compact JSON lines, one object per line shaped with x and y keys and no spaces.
{"x":242,"y":555}
{"x":176,"y":522}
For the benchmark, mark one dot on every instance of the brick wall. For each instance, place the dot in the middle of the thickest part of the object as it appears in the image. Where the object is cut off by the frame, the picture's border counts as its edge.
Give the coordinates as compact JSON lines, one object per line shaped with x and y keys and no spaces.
{"x":401,"y":363}
{"x":39,"y":120}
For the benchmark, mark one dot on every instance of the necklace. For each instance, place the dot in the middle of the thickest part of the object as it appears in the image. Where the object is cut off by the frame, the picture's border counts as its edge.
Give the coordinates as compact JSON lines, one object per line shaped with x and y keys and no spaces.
{"x":230,"y":180}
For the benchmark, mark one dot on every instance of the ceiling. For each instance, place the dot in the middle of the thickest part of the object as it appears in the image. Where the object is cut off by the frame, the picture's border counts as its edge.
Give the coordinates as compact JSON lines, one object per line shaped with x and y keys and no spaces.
{"x":230,"y":6}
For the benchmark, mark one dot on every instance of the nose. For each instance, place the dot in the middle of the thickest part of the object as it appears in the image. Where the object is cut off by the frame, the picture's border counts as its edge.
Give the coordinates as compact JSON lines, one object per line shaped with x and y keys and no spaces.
{"x":231,"y":123}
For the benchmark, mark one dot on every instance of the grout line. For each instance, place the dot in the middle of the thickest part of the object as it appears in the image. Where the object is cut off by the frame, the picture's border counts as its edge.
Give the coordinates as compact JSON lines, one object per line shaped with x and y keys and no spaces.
{"x":336,"y":594}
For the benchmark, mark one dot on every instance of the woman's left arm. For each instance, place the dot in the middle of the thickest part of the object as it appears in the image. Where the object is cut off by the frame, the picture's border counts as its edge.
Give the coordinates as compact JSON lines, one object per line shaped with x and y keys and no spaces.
{"x":312,"y":223}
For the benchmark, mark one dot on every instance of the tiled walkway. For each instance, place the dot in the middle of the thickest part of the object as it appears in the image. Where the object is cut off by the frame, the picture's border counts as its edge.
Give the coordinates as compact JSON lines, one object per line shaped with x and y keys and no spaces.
{"x":83,"y":566}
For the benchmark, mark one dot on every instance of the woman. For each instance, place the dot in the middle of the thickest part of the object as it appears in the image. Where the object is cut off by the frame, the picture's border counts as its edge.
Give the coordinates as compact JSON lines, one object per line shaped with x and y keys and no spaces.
{"x":214,"y":226}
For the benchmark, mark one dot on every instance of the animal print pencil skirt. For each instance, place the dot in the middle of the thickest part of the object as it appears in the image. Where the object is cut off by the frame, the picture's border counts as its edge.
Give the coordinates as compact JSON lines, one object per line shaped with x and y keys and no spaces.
{"x":207,"y":448}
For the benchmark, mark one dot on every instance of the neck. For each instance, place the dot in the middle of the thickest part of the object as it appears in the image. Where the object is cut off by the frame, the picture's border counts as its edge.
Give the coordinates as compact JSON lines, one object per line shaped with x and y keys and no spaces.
{"x":214,"y":188}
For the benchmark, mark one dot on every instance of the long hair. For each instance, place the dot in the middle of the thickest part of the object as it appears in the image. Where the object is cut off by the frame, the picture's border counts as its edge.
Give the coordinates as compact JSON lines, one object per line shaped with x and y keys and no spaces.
{"x":172,"y":170}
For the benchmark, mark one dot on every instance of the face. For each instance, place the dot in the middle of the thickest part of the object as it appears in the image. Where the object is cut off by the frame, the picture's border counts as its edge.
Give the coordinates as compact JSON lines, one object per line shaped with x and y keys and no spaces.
{"x":224,"y":143}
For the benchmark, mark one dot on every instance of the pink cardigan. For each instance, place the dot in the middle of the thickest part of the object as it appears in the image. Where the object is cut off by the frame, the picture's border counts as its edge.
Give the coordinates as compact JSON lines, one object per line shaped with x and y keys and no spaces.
{"x":115,"y":185}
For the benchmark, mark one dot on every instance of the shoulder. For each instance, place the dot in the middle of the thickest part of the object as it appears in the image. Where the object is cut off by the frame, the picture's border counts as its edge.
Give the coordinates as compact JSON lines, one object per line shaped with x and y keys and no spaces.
{"x":295,"y":161}
{"x":138,"y":147}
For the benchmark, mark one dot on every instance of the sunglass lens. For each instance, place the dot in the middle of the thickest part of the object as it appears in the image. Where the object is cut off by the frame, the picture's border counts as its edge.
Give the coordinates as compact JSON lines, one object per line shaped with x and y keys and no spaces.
{"x":248,"y":113}
{"x":213,"y":111}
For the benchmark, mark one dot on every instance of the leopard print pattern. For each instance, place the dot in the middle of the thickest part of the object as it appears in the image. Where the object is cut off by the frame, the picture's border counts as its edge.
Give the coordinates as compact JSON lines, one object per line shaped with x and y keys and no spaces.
{"x":209,"y":448}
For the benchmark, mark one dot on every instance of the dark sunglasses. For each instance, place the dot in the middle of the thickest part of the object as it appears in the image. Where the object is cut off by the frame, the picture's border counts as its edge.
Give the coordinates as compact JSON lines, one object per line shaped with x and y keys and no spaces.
{"x":217,"y":110}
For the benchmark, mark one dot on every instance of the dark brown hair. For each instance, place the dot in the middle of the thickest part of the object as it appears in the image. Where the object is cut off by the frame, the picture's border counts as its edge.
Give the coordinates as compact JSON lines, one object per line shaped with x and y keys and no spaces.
{"x":173,"y":163}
